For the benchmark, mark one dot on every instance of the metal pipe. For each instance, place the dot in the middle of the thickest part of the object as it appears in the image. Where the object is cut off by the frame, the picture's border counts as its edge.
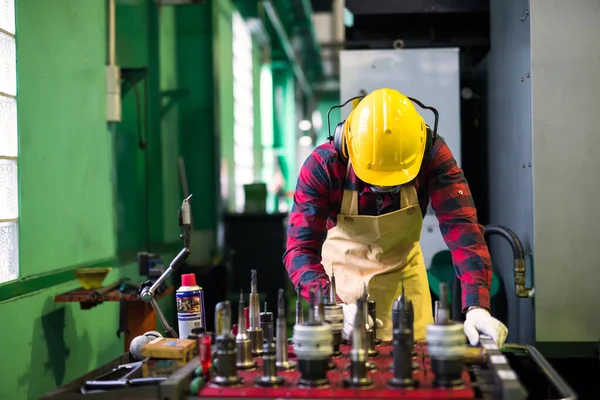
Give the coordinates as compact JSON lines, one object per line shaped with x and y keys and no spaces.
{"x":519,"y":270}
{"x":339,"y":30}
{"x":287,"y":46}
{"x":337,"y":11}
{"x":111,"y":33}
{"x":310,"y":34}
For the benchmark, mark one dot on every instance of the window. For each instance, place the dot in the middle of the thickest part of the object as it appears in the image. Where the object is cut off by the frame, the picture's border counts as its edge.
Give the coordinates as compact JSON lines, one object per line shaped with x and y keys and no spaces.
{"x":9,"y":193}
{"x":243,"y":109}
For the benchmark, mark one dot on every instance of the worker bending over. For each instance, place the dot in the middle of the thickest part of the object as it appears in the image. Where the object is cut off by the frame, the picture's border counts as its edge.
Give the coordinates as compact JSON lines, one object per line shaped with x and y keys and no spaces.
{"x":358,"y":210}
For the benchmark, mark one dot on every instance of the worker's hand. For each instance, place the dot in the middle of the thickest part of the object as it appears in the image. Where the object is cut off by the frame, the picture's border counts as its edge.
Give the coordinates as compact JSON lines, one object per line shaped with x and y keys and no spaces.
{"x":480,"y":321}
{"x":349,"y":317}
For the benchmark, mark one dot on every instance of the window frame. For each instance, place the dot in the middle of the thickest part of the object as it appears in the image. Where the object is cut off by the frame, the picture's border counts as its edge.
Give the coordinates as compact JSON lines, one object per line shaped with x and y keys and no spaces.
{"x":7,"y":154}
{"x":243,"y":108}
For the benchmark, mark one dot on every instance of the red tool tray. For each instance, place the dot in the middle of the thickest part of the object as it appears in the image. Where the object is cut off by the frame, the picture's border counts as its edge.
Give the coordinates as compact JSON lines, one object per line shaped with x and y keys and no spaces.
{"x":336,"y":390}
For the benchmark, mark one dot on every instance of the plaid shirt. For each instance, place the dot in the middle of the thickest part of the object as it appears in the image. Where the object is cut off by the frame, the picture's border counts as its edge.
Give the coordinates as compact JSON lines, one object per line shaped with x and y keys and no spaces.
{"x":317,"y":202}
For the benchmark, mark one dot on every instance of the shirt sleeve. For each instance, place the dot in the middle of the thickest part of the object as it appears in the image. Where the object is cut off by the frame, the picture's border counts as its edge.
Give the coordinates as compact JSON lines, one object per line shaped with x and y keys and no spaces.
{"x":455,"y":210}
{"x":307,"y":227}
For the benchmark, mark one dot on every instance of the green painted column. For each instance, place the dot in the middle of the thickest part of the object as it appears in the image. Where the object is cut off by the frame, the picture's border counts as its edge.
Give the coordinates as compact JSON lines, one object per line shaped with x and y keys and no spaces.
{"x":223,"y":99}
{"x":257,"y":56}
{"x":171,"y":96}
{"x":199,"y":140}
{"x":267,"y":131}
{"x":138,"y":136}
{"x":285,"y":139}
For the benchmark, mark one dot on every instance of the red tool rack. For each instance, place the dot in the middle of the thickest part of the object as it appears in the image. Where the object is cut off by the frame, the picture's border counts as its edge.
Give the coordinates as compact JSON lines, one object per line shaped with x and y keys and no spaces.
{"x":336,"y":389}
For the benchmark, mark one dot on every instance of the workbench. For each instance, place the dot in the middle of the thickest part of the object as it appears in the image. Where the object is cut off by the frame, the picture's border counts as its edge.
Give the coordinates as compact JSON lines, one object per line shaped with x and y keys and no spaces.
{"x":139,"y":317}
{"x":492,"y":378}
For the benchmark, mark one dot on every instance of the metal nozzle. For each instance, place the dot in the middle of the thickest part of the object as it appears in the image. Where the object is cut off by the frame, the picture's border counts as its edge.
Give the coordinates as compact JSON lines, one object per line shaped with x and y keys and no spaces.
{"x":443,"y":310}
{"x":241,"y":315}
{"x":254,"y":302}
{"x":253,"y":282}
{"x":332,"y":289}
{"x":280,"y":304}
{"x":311,"y":308}
{"x":299,"y":311}
{"x":365,"y":307}
{"x":243,"y":344}
{"x":281,"y":351}
{"x":255,"y":332}
{"x":359,"y":336}
{"x":359,"y":364}
{"x":321,"y":306}
{"x":223,"y":317}
{"x":403,"y":304}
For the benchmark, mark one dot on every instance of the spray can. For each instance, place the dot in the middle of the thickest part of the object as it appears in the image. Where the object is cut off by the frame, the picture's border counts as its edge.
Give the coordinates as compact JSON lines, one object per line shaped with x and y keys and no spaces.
{"x":190,"y":307}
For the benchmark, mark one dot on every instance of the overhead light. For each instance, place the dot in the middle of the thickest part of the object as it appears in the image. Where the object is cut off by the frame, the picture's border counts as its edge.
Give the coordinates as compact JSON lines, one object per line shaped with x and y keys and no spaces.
{"x":317,"y":120}
{"x":304,"y":125}
{"x":305,"y":141}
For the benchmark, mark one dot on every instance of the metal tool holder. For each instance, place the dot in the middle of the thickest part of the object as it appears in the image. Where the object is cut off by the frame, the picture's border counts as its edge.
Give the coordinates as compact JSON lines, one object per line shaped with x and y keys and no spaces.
{"x":494,"y":377}
{"x":506,"y":380}
{"x":148,"y":289}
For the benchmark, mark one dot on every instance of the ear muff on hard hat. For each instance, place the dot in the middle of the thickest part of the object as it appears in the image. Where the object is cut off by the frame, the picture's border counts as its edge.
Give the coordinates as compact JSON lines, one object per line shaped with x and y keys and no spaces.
{"x":339,"y":138}
{"x":385,"y":138}
{"x":339,"y":143}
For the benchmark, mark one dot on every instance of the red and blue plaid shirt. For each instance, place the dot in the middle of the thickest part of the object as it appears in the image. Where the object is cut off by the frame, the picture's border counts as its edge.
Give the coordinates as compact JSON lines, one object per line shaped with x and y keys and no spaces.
{"x":317,"y":202}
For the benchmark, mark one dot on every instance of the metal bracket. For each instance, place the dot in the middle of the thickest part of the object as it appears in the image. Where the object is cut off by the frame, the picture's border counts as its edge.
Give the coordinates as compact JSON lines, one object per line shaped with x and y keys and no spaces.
{"x":504,"y":376}
{"x":172,"y":96}
{"x":565,"y":391}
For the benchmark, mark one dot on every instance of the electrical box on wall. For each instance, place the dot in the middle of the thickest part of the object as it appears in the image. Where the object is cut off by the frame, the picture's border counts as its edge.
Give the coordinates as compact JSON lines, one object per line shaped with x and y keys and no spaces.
{"x":113,"y":93}
{"x":432,"y":76}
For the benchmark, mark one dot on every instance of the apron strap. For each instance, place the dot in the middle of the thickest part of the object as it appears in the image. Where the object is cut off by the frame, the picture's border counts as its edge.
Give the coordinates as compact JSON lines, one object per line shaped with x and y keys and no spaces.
{"x":349,"y":206}
{"x":349,"y":197}
{"x":408,"y":196}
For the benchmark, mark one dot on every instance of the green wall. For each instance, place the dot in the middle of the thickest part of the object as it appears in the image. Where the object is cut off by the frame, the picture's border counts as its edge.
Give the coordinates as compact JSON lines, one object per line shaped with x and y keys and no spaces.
{"x":67,"y":191}
{"x":83,"y":183}
{"x":65,"y":150}
{"x":285,"y":125}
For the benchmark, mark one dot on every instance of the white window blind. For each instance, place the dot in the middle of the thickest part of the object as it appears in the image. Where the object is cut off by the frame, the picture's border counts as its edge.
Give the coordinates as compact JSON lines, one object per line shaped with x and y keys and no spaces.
{"x":9,"y":192}
{"x":243,"y":109}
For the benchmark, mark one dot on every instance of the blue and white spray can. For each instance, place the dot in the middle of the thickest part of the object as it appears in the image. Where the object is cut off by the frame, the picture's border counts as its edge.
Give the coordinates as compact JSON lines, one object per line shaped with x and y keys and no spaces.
{"x":190,"y":307}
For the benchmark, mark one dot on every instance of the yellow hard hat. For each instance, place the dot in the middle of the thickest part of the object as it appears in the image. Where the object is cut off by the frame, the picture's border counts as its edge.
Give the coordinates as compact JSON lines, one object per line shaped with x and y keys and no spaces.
{"x":385,"y":137}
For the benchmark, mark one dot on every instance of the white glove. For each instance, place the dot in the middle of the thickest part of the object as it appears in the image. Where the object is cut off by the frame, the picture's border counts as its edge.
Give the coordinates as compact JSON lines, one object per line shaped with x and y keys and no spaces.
{"x":480,"y":321}
{"x":349,"y":316}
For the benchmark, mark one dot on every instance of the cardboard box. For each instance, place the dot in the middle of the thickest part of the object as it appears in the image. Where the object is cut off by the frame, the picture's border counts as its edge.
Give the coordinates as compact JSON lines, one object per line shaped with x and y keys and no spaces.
{"x":171,"y":349}
{"x":155,"y":367}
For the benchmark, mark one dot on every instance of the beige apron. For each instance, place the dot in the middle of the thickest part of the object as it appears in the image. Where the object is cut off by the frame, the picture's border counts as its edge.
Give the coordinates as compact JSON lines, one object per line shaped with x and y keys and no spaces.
{"x":382,"y":252}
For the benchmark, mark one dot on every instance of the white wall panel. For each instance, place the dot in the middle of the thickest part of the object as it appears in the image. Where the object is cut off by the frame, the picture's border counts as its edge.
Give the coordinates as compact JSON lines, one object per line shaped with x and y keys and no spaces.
{"x":566,"y":135}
